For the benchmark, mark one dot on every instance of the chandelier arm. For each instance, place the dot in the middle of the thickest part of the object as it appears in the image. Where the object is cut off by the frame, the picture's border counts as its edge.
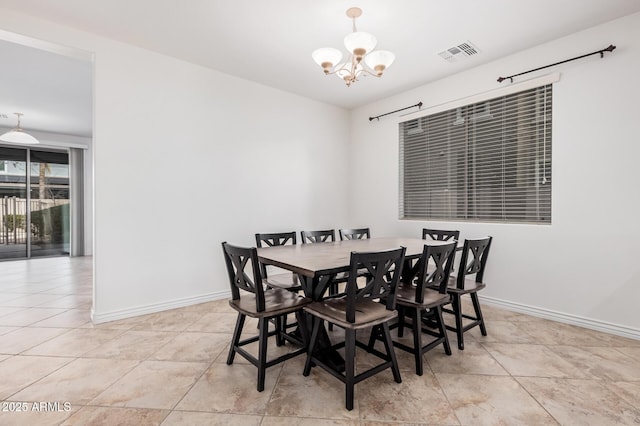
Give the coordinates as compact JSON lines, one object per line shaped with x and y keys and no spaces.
{"x":348,"y":70}
{"x":370,"y":73}
{"x":333,"y":72}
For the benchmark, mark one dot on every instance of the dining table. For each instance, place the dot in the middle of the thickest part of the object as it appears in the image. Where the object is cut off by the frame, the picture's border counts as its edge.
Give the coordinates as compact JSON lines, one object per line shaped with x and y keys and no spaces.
{"x":317,"y":265}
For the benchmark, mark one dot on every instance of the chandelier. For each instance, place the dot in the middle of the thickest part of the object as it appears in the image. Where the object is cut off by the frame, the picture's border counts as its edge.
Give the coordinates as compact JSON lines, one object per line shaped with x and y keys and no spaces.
{"x":360,"y":46}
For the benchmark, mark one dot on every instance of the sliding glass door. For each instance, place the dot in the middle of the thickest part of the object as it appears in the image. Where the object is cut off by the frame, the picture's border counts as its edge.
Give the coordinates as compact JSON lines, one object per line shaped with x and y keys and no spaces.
{"x":34,"y":191}
{"x":49,"y":203}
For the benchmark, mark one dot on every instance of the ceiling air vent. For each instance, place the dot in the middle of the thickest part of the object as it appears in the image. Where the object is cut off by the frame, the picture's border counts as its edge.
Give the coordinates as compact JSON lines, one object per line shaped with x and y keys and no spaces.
{"x":3,"y":115}
{"x":461,"y":51}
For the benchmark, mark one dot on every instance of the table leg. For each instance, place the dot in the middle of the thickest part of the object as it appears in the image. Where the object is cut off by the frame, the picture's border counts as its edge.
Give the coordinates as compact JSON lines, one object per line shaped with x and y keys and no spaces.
{"x":315,"y":288}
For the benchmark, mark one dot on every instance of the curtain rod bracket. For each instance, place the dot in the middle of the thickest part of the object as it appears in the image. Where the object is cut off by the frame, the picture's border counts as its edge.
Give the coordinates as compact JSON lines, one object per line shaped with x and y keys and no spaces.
{"x":609,"y":48}
{"x":377,"y":117}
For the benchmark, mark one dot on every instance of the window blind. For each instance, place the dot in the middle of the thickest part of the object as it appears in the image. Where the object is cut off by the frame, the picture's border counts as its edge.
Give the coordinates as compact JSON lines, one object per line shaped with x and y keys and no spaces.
{"x":487,"y":161}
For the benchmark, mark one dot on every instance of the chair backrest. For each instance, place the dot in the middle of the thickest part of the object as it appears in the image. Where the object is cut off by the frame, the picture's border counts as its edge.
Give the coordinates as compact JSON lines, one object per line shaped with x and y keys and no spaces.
{"x":240,"y":261}
{"x":473,"y":260}
{"x":354,"y":234}
{"x":434,"y":268}
{"x":273,"y":240}
{"x":383,"y":270}
{"x":440,"y":234}
{"x":318,"y":236}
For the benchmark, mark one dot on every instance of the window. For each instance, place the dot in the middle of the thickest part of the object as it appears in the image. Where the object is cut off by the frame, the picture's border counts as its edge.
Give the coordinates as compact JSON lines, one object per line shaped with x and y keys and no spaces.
{"x":488,"y":161}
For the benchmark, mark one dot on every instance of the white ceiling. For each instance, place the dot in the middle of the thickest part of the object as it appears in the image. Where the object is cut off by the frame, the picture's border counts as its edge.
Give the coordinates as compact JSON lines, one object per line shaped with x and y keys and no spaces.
{"x":270,"y":42}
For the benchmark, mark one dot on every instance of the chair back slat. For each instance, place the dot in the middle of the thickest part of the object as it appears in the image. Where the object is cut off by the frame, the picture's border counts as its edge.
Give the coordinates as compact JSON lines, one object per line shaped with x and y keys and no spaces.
{"x":383,"y":268}
{"x":473,"y":260}
{"x":354,"y":234}
{"x":318,"y":236}
{"x":244,"y":273}
{"x":435,"y":266}
{"x":440,"y":234}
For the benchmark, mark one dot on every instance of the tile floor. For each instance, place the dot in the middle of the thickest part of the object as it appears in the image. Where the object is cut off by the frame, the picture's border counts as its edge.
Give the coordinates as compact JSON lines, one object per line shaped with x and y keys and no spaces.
{"x":169,"y":368}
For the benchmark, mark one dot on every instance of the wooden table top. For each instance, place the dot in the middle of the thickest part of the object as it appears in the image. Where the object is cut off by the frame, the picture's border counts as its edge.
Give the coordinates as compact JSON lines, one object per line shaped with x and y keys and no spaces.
{"x":314,"y":260}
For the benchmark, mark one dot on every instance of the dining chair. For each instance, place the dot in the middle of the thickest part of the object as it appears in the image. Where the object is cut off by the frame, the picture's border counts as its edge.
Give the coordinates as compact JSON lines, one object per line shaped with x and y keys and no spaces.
{"x":285,"y":280}
{"x":354,"y":234}
{"x":440,"y":234}
{"x":469,"y":280}
{"x":418,"y":299}
{"x":250,"y":299}
{"x":359,"y":310}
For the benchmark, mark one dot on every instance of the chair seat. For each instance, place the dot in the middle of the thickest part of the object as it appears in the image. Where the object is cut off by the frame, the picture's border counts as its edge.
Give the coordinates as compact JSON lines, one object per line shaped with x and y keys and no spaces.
{"x":470,"y":286}
{"x":406,"y":296}
{"x":368,"y":313}
{"x":277,"y":302}
{"x":288,"y":281}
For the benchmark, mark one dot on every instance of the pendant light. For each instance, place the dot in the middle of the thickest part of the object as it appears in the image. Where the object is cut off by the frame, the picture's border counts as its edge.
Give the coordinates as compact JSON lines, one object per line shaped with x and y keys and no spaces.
{"x":17,"y":135}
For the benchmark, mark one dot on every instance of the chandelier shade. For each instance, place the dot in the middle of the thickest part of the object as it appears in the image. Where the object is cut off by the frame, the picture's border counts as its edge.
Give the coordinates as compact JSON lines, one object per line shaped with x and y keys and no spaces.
{"x":327,"y":57}
{"x":18,"y":135}
{"x":360,"y":46}
{"x":360,"y":41}
{"x":379,"y":60}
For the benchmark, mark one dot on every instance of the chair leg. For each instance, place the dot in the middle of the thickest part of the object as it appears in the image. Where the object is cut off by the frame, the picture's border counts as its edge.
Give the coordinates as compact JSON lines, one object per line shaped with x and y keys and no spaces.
{"x":417,"y":341}
{"x":476,"y":307}
{"x":375,"y":331}
{"x":236,"y":338}
{"x":400,"y":321}
{"x":457,"y":310}
{"x":333,"y":290}
{"x":388,"y":344}
{"x":349,"y":366}
{"x":281,"y":324}
{"x":317,"y":323}
{"x":443,"y":330}
{"x":262,"y":352}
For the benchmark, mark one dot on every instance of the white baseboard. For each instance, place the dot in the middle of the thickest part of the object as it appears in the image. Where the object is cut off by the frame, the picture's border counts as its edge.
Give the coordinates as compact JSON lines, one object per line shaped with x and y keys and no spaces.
{"x":102,"y":317}
{"x":593,"y":324}
{"x":606,"y":327}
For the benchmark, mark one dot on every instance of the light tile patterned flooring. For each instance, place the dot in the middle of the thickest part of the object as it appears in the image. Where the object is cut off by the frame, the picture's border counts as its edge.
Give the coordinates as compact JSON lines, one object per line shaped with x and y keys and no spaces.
{"x":169,"y":368}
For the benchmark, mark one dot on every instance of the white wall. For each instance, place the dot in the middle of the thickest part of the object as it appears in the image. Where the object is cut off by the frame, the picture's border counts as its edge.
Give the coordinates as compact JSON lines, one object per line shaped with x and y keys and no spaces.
{"x":582,"y":268}
{"x":167,"y":132}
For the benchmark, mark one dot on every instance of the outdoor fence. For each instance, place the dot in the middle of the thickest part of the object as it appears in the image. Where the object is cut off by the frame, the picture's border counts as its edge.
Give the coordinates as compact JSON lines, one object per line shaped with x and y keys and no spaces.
{"x":44,"y":217}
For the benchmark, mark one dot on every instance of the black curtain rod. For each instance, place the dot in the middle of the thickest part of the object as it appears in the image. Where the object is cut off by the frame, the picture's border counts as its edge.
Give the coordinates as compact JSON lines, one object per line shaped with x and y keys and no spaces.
{"x":419,"y":105}
{"x":601,"y":52}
